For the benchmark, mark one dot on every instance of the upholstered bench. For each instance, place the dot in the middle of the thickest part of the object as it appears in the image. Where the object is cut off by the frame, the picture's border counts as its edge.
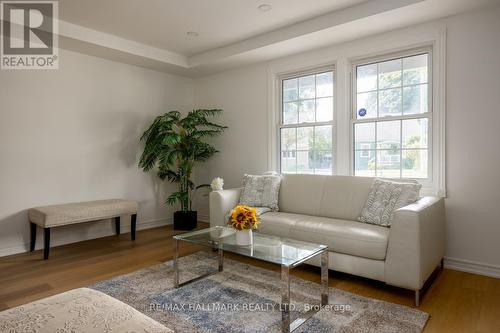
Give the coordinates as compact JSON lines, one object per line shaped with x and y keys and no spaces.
{"x":78,"y":310}
{"x":49,"y":217}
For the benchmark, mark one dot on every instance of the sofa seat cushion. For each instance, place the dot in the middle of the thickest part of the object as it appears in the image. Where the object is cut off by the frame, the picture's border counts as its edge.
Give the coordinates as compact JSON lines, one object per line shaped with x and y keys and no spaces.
{"x":342,"y":236}
{"x":78,"y":310}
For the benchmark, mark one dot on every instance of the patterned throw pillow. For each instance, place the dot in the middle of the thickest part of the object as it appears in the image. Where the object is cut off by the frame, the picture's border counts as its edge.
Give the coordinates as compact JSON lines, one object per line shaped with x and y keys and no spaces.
{"x":261,"y":191}
{"x":384,"y":198}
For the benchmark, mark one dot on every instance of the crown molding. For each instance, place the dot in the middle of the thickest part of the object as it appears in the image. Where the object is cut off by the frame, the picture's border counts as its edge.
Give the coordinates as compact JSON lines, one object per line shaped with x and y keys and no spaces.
{"x":291,"y":39}
{"x":355,"y":22}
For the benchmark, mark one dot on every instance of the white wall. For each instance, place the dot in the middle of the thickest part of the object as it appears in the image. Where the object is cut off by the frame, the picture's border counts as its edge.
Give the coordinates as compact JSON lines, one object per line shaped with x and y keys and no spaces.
{"x":472,"y":127}
{"x":72,"y":135}
{"x":243,"y":147}
{"x":473,"y":137}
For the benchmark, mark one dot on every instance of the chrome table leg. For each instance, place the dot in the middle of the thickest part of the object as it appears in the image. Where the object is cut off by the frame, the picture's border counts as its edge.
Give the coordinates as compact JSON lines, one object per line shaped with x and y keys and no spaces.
{"x":324,"y":278}
{"x":285,"y":298}
{"x":221,"y":257}
{"x":177,"y":283}
{"x":285,"y":292}
{"x":176,"y":263}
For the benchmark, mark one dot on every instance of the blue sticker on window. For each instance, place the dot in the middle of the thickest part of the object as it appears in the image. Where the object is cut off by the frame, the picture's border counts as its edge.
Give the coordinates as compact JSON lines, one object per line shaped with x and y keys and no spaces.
{"x":362,"y":112}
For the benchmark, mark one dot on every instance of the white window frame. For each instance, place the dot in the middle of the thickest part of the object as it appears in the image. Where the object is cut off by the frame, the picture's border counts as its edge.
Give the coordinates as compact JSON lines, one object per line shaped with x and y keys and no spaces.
{"x":340,"y":57}
{"x":428,"y":115}
{"x":280,"y":124}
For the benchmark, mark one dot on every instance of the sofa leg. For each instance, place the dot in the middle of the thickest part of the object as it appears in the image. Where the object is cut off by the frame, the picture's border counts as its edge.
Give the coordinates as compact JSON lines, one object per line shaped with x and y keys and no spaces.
{"x":133,"y":224}
{"x":32,"y":236}
{"x":46,"y":243}
{"x":417,"y":298}
{"x":117,"y":225}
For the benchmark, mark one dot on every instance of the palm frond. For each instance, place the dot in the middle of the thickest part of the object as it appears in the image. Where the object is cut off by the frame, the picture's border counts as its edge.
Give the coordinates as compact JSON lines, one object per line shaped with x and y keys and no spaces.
{"x":174,"y":144}
{"x":173,"y":198}
{"x":171,"y":175}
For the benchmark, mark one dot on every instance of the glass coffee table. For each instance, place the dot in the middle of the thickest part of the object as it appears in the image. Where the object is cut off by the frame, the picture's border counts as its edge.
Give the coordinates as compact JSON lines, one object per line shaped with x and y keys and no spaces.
{"x":282,"y":251}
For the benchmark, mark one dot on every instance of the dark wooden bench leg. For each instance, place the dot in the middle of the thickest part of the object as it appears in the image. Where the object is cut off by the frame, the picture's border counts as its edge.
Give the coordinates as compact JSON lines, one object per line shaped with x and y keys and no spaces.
{"x":117,"y":225}
{"x":32,"y":236}
{"x":46,"y":243}
{"x":133,"y":224}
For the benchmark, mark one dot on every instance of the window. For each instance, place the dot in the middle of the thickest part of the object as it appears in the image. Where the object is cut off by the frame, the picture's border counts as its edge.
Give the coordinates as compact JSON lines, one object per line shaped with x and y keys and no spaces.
{"x":288,"y":154}
{"x":388,"y":108}
{"x":365,"y":151}
{"x":306,"y":123}
{"x":392,"y":116}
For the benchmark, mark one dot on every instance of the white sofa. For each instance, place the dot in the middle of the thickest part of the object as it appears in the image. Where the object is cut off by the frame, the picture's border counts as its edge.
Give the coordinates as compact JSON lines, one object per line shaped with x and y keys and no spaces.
{"x":324,"y":209}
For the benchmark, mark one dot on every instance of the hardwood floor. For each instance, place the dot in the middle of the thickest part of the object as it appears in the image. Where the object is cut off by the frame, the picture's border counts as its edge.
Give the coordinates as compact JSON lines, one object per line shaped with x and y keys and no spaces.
{"x":456,"y":301}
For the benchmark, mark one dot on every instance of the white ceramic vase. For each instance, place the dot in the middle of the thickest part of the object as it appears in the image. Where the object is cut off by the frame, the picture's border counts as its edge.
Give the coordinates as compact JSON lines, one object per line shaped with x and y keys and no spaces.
{"x":244,"y":237}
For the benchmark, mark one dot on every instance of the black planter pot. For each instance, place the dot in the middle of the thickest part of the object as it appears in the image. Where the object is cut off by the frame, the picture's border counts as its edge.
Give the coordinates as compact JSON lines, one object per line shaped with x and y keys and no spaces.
{"x":185,"y":220}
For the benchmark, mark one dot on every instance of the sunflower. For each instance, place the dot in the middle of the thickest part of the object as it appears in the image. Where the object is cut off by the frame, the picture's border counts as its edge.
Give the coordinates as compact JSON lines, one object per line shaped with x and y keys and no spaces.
{"x":244,"y":217}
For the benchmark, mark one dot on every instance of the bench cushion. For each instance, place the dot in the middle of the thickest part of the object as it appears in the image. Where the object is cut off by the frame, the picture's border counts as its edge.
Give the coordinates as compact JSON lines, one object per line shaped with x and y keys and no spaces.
{"x":78,"y":310}
{"x":57,"y":215}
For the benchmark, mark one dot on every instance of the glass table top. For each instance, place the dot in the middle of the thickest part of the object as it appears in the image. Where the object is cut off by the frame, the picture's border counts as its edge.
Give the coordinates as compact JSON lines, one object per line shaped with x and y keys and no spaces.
{"x":273,"y":249}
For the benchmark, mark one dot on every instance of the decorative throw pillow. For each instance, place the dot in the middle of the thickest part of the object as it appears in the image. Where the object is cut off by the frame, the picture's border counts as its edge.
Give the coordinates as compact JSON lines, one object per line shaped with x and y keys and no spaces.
{"x":261,"y":191}
{"x":384,"y":198}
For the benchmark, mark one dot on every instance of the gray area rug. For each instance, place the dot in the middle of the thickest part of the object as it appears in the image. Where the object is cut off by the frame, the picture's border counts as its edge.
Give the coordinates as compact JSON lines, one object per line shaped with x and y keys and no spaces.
{"x":245,"y":298}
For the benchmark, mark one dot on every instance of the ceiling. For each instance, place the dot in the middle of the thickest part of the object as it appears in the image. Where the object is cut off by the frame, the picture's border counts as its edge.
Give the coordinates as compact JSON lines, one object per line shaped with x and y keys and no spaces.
{"x":164,"y":23}
{"x":231,"y":33}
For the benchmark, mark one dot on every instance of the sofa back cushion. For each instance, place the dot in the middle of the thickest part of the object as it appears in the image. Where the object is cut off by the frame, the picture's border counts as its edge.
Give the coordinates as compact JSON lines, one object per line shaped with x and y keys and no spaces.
{"x":341,"y":197}
{"x":301,"y":194}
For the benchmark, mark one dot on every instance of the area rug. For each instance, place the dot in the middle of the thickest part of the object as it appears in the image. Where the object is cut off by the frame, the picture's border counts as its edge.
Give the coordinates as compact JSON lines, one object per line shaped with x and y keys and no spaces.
{"x":245,"y":298}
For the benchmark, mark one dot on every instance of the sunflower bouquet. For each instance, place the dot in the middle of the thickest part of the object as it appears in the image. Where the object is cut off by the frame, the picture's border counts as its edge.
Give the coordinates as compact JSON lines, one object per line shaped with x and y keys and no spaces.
{"x":244,"y":218}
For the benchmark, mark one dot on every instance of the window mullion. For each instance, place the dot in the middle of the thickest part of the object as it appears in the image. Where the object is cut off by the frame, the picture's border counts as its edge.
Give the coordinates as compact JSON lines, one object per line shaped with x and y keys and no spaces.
{"x":393,"y":118}
{"x":296,"y":144}
{"x":324,"y":123}
{"x":401,"y":148}
{"x":401,"y":124}
{"x":313,"y":149}
{"x":314,"y":127}
{"x":376,"y":142}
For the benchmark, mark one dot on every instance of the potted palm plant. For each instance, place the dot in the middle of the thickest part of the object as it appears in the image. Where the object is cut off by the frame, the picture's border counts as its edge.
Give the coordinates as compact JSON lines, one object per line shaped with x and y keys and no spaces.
{"x":174,"y":144}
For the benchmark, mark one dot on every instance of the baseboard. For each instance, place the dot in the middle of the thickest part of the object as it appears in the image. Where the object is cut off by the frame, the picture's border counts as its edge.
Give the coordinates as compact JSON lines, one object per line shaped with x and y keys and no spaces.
{"x":204,"y":218}
{"x":472,"y":267}
{"x":152,"y":223}
{"x":104,"y":231}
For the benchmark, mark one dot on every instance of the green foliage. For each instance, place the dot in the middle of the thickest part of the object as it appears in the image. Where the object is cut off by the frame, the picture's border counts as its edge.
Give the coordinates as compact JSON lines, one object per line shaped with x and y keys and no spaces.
{"x":174,"y":145}
{"x":412,"y":157}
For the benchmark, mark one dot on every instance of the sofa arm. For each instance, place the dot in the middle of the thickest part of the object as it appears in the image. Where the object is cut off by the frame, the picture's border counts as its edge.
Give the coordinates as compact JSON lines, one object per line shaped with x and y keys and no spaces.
{"x":221,"y":202}
{"x":416,"y":243}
